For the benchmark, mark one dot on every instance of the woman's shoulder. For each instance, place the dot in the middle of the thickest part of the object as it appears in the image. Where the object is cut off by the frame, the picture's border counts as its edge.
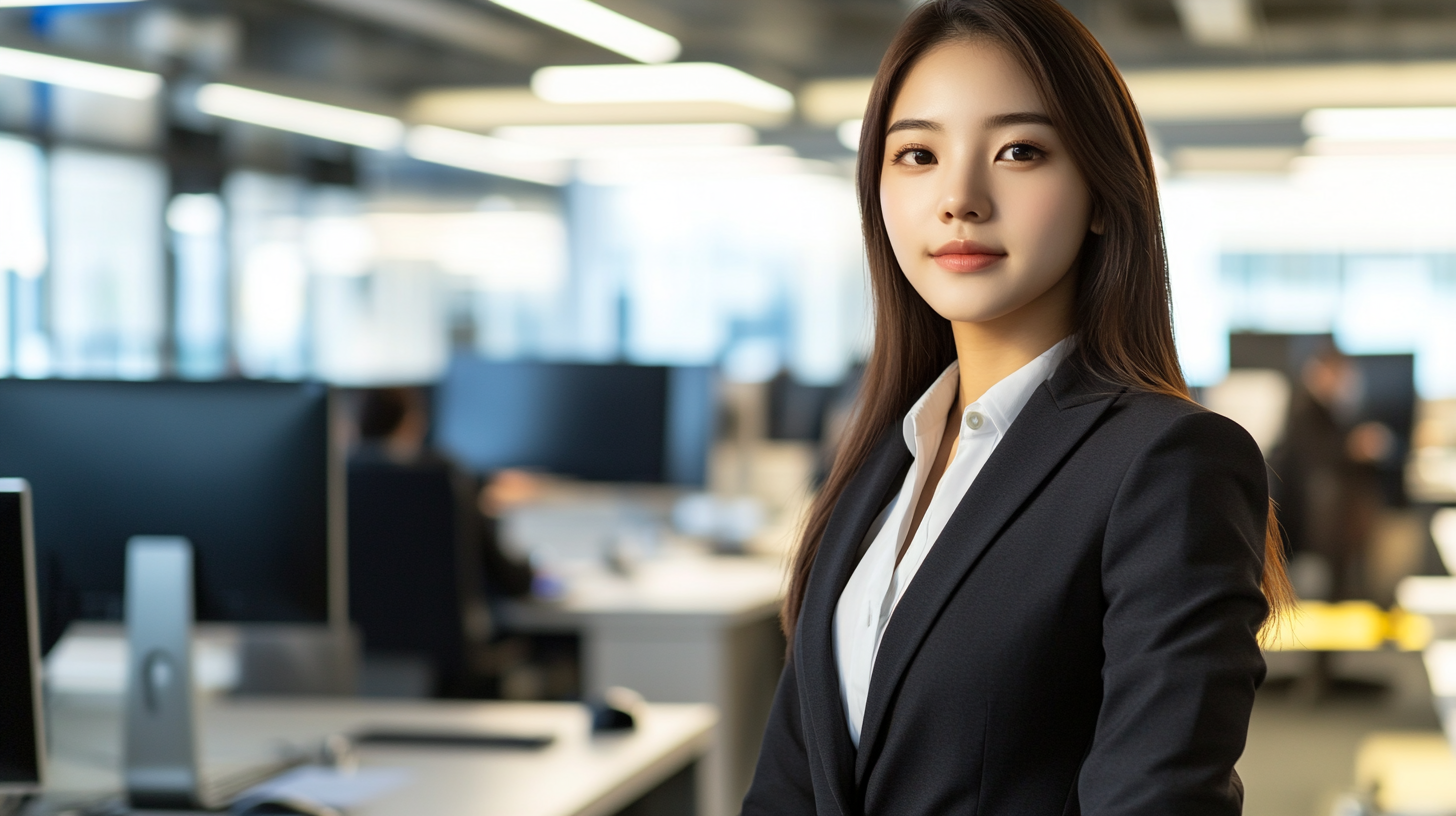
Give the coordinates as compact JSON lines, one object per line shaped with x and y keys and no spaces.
{"x":1157,"y":419}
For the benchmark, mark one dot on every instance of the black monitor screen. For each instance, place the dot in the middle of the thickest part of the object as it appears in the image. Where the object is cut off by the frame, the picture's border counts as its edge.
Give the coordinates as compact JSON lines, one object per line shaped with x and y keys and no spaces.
{"x":239,"y":468}
{"x":19,"y":735}
{"x":621,"y":423}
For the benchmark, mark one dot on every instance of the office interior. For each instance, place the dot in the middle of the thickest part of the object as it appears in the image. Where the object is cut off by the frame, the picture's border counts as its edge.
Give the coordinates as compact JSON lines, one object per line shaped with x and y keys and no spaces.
{"x":487,"y":354}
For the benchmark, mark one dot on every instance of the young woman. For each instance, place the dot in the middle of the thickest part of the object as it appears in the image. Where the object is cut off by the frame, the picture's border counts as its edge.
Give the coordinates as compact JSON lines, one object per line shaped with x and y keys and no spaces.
{"x":1034,"y":580}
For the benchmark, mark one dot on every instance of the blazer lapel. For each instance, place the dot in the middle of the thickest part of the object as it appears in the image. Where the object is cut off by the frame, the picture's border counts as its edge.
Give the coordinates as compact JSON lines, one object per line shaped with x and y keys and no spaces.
{"x":1055,"y":419}
{"x":823,"y":710}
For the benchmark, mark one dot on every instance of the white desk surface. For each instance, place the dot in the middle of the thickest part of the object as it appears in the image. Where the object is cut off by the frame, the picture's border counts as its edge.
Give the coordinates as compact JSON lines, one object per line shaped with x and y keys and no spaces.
{"x":577,"y":775}
{"x":726,"y":589}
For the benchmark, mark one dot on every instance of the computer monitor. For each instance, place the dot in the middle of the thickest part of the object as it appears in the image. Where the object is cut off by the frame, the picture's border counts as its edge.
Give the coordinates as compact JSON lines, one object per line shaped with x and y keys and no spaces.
{"x":22,"y":752}
{"x":620,"y":423}
{"x":796,"y":411}
{"x":244,"y":470}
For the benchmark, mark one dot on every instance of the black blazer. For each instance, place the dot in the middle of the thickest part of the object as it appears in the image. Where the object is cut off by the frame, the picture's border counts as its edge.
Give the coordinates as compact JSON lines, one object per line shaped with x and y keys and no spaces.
{"x":1081,"y":639}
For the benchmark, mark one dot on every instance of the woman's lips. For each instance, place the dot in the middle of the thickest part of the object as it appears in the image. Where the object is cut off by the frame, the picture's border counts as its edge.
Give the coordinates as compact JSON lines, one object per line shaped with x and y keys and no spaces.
{"x":967,"y":261}
{"x":965,"y":256}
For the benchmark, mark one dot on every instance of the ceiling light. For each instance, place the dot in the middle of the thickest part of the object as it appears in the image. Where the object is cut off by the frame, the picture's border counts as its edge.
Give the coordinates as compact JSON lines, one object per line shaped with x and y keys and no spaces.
{"x":678,"y":82}
{"x":848,"y":133}
{"x":482,"y":110}
{"x":486,"y":154}
{"x":828,"y":102}
{"x":86,"y":76}
{"x":601,"y":26}
{"x":1217,"y":22}
{"x":301,"y":116}
{"x":1381,"y":124}
{"x":1289,"y":90}
{"x":587,"y":138}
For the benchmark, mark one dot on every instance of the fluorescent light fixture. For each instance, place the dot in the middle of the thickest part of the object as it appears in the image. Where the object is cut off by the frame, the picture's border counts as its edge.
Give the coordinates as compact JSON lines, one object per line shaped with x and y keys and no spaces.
{"x":678,"y":82}
{"x":827,"y":102}
{"x":482,"y":110}
{"x":301,"y":116}
{"x":85,"y":76}
{"x":1217,"y":22}
{"x":601,"y":26}
{"x":579,"y":139}
{"x":31,"y":3}
{"x":1382,"y":124}
{"x":1289,"y":90}
{"x":486,"y":154}
{"x":848,"y":133}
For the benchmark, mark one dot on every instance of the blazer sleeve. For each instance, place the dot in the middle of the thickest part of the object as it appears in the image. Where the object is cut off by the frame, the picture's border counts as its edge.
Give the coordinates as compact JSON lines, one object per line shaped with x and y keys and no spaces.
{"x":781,"y":783}
{"x":1181,"y":564}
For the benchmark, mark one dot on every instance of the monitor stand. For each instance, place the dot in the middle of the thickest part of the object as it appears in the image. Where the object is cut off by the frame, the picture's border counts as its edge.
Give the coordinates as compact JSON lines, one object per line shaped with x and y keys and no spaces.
{"x":163,"y":770}
{"x":161,"y":767}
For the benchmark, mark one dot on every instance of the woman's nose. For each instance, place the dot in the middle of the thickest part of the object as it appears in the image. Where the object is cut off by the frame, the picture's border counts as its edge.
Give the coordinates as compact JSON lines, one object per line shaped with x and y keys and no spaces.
{"x":965,"y":198}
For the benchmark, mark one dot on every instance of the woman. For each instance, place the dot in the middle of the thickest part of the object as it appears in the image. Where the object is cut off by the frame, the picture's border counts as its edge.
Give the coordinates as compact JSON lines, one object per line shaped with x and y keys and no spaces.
{"x":1034,"y":579}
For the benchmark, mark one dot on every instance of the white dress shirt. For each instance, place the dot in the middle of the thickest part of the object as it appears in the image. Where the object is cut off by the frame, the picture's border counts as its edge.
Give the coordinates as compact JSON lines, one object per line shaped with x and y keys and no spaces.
{"x":875,"y":588}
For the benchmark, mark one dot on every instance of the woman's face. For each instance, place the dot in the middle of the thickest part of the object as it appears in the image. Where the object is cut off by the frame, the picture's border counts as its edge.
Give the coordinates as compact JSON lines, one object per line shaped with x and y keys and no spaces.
{"x":983,"y":206}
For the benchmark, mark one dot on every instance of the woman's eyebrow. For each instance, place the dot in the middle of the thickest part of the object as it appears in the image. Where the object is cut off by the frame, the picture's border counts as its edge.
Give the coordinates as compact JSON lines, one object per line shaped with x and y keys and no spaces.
{"x":1002,"y":120}
{"x":914,"y":124}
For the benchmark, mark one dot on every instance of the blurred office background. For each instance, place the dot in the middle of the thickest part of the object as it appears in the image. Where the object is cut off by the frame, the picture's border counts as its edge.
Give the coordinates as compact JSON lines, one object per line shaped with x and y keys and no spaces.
{"x":519,"y":196}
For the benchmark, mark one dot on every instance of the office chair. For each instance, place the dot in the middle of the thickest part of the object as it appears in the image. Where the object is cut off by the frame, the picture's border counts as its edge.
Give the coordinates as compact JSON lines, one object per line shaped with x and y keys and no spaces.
{"x":414,"y":574}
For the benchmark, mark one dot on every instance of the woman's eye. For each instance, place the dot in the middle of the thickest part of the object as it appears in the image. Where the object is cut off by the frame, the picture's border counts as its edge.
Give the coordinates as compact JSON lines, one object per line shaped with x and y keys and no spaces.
{"x":916,"y":156}
{"x":1020,"y":153}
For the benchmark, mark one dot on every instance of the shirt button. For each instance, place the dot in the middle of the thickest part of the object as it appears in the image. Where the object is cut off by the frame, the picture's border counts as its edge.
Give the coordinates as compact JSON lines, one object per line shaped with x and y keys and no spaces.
{"x":974,"y":420}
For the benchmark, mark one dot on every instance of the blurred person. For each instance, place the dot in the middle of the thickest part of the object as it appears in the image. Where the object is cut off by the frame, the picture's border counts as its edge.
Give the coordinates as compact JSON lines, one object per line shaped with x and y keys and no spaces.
{"x":1034,"y":580}
{"x":1326,"y":476}
{"x":394,"y":427}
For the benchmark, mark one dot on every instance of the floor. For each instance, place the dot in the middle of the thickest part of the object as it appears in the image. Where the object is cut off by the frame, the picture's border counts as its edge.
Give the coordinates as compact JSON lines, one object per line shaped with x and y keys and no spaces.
{"x":1301,"y":751}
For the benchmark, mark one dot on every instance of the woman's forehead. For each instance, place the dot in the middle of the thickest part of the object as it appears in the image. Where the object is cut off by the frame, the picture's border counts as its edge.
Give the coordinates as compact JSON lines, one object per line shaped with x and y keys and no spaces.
{"x":967,"y":78}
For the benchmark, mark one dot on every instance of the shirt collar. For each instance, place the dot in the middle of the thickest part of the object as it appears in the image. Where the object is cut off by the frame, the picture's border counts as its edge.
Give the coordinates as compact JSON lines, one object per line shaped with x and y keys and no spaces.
{"x":1000,"y":404}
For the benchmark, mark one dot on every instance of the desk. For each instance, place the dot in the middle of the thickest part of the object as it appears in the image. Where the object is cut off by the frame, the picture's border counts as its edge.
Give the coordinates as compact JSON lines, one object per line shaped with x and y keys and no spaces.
{"x":578,"y":775}
{"x":682,"y":630}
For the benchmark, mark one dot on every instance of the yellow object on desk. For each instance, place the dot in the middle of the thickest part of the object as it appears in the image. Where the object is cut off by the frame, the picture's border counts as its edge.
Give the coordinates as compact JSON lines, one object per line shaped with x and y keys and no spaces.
{"x":1413,"y":772}
{"x":1350,"y":626}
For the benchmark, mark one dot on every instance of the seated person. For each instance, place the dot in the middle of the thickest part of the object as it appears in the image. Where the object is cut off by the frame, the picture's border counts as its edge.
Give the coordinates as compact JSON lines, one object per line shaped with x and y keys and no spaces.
{"x":394,"y":426}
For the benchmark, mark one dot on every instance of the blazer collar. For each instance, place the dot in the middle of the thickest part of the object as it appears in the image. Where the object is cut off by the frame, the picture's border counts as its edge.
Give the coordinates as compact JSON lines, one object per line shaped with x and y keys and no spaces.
{"x":1056,"y":418}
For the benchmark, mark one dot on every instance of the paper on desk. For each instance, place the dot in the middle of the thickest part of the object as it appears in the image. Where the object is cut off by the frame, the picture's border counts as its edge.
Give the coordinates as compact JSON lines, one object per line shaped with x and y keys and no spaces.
{"x":338,"y":789}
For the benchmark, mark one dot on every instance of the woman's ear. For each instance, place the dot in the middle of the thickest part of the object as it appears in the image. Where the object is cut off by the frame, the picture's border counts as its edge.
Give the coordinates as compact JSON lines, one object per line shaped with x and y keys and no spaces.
{"x":1097,"y":227}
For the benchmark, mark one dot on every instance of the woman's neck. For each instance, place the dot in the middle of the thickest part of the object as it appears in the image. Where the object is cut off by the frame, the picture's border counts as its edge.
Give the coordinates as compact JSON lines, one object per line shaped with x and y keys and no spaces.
{"x":989,"y":351}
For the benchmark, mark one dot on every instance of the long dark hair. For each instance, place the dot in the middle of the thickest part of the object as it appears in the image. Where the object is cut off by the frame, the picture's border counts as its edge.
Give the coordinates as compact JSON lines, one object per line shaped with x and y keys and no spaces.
{"x":1122,"y":318}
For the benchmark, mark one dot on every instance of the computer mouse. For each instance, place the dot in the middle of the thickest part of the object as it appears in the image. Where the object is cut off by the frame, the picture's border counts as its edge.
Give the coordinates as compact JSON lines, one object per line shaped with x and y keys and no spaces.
{"x":606,"y":718}
{"x":614,"y":712}
{"x":263,"y":806}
